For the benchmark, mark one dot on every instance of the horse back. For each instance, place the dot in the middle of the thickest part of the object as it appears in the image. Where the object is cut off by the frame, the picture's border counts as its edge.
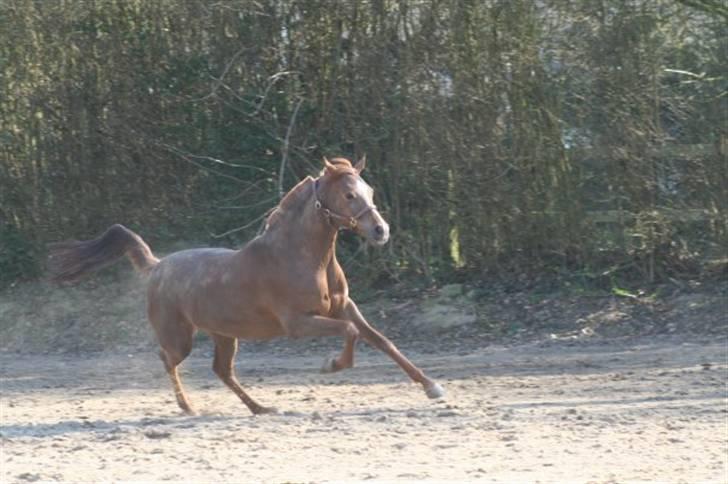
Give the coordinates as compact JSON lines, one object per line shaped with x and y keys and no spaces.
{"x":209,"y":289}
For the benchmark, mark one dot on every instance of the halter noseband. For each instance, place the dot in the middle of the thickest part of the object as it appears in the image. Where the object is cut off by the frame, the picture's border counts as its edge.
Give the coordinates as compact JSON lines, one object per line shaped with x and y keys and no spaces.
{"x":352,"y":221}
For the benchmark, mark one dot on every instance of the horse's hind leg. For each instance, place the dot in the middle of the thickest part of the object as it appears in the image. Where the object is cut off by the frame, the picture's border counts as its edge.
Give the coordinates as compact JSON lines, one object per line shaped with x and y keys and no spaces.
{"x":176,"y":342}
{"x":225,"y":349}
{"x":171,"y":361}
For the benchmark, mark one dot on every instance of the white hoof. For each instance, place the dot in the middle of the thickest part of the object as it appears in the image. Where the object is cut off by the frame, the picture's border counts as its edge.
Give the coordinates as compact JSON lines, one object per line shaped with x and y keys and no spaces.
{"x":435,"y":391}
{"x":328,"y":366}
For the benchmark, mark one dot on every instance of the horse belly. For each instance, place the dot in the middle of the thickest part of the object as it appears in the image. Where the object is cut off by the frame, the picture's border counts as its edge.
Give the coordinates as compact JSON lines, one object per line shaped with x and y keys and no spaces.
{"x":260,"y":327}
{"x":198,"y":286}
{"x":245,"y":323}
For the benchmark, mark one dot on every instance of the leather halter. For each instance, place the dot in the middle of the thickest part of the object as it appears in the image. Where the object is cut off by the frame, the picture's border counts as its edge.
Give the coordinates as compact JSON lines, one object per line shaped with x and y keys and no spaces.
{"x":351,"y":221}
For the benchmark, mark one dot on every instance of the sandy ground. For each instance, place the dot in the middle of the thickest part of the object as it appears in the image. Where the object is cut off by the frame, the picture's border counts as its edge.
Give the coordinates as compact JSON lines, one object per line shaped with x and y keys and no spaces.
{"x":635,"y":410}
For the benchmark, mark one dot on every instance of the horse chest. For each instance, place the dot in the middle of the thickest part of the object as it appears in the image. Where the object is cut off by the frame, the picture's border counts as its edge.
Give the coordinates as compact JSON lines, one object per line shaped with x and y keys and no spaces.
{"x":338,"y":289}
{"x":327,"y":297}
{"x":326,"y":302}
{"x":332,"y":303}
{"x":337,"y":303}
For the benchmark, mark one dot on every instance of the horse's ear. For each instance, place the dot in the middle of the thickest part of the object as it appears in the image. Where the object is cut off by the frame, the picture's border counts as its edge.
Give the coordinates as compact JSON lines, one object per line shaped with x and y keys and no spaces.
{"x":361,"y":164}
{"x":328,"y":167}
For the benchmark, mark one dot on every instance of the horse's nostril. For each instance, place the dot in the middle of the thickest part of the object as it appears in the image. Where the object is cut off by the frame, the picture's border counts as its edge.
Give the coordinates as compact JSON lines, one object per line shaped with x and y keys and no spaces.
{"x":379,"y":230}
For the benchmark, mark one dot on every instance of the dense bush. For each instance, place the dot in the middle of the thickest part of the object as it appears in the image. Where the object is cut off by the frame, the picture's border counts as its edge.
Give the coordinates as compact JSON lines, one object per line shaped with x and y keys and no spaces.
{"x":18,"y":257}
{"x":572,"y":136}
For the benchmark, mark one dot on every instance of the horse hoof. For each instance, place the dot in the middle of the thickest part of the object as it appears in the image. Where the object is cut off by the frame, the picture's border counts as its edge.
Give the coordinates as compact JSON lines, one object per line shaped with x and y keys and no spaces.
{"x":329,"y":365}
{"x":189,"y":411}
{"x":435,"y":390}
{"x":265,"y":411}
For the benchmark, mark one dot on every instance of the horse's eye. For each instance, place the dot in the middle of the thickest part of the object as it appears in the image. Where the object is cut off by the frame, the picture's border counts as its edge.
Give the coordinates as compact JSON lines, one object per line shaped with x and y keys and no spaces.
{"x":350,"y":195}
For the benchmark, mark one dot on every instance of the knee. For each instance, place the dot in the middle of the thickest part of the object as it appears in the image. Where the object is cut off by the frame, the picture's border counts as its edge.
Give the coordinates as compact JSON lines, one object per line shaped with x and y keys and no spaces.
{"x":222,"y":370}
{"x":381,"y":342}
{"x":351,"y":331}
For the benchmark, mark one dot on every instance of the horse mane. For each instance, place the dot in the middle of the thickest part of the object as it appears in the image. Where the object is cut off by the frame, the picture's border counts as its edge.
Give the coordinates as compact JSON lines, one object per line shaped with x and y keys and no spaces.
{"x":342,"y":166}
{"x":292,"y":198}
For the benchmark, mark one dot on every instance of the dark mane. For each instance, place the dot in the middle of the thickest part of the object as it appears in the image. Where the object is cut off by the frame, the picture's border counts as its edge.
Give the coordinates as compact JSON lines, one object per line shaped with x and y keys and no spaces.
{"x":294,"y":197}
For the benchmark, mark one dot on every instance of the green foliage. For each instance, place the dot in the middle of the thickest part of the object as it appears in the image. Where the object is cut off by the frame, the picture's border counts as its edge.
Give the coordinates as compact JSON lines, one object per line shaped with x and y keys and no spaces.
{"x":18,"y":256}
{"x":502,"y":136}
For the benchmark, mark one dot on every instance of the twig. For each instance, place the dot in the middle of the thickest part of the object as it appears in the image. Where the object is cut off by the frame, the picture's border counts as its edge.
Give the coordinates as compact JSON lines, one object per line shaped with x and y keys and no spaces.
{"x":352,"y":257}
{"x":214,"y":160}
{"x":284,"y":157}
{"x":254,"y":204}
{"x":273,"y":79}
{"x":244,"y":191}
{"x":219,"y":80}
{"x":243,"y":227}
{"x":188,"y":159}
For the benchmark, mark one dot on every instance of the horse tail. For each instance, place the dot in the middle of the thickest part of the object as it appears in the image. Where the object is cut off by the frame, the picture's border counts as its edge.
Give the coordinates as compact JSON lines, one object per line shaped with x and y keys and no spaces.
{"x":72,"y":260}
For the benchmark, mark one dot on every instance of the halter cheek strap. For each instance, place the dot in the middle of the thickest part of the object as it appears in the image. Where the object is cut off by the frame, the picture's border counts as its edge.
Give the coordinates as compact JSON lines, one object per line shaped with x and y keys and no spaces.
{"x":351,"y":221}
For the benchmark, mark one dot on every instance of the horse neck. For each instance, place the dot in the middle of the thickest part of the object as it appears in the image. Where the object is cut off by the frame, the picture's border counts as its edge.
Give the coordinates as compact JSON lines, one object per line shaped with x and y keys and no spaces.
{"x":304,"y":232}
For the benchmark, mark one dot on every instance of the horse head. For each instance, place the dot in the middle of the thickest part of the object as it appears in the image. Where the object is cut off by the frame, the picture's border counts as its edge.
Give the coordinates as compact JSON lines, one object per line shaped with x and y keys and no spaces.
{"x":347,"y":200}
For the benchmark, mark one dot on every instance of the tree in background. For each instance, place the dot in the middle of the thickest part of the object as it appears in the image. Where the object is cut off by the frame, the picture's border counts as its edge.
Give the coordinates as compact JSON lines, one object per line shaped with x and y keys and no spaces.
{"x":504,"y":135}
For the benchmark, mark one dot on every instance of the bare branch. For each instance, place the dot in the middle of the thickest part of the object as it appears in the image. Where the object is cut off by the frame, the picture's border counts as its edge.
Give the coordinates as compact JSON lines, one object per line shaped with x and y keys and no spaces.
{"x":219,"y":81}
{"x":214,"y":160}
{"x":286,"y":141}
{"x":189,"y":159}
{"x":247,"y":225}
{"x":273,"y":79}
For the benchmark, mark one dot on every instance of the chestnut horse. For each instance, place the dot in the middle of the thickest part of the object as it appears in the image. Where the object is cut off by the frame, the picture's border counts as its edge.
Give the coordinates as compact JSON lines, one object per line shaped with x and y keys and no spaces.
{"x":285,"y":282}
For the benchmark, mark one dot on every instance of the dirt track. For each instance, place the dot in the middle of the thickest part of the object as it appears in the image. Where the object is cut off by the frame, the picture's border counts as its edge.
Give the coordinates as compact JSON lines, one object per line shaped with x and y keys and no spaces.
{"x":600,"y":412}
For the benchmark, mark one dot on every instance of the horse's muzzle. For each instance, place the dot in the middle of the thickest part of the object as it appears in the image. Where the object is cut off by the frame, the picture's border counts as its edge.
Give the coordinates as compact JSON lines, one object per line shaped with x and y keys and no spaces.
{"x":380,"y":234}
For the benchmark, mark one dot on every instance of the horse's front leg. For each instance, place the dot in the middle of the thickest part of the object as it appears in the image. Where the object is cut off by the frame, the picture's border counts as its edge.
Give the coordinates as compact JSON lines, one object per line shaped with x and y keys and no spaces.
{"x":300,"y":326}
{"x":378,"y":340}
{"x":343,"y":360}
